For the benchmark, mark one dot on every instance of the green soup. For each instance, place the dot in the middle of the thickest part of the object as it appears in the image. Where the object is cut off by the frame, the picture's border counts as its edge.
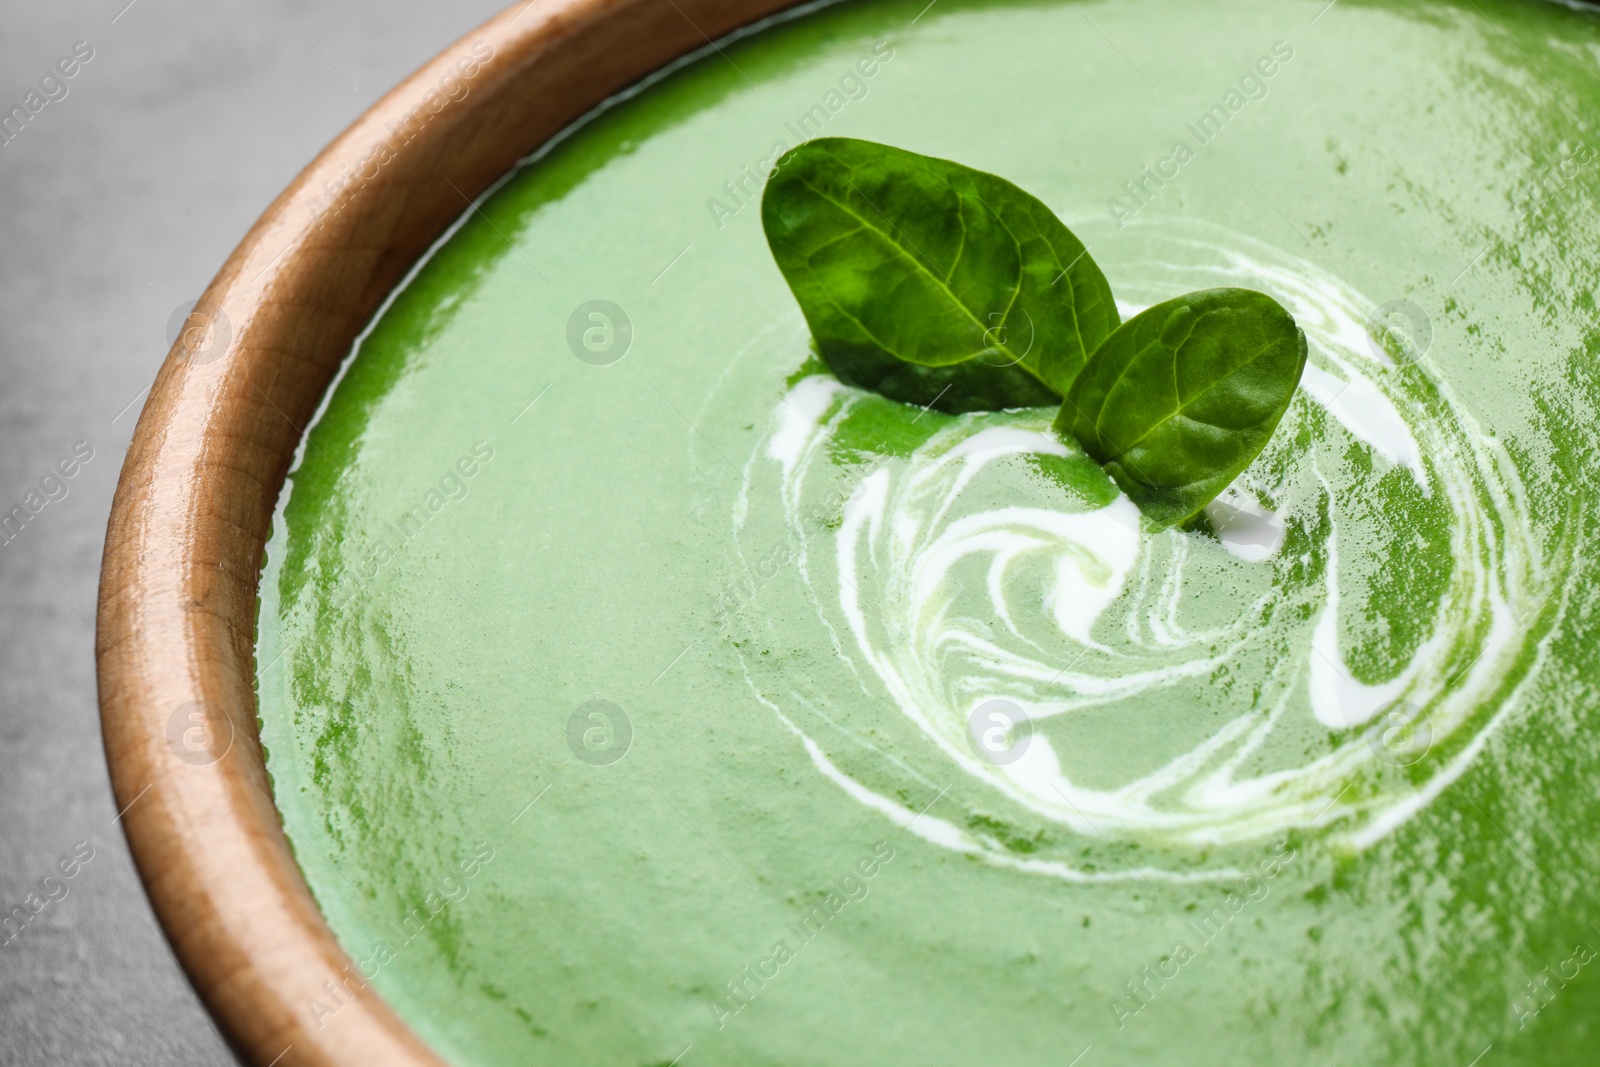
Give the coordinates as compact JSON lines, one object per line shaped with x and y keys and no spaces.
{"x":636,"y":693}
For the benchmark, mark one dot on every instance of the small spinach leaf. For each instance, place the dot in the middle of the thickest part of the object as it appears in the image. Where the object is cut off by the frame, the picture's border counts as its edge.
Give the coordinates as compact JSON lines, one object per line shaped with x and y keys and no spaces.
{"x":1184,"y":395}
{"x":932,"y":283}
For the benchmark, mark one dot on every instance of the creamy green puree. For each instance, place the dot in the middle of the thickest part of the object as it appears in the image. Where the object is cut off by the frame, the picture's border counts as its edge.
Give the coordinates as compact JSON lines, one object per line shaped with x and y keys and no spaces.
{"x":635,"y":693}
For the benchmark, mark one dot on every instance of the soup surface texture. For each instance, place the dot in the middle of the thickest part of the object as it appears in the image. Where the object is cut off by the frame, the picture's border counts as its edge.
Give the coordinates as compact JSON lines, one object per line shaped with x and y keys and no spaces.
{"x":636,"y":693}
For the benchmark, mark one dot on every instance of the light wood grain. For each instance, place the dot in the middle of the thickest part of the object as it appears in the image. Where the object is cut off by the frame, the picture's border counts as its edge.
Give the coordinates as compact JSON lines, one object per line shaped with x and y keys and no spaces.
{"x":184,"y":546}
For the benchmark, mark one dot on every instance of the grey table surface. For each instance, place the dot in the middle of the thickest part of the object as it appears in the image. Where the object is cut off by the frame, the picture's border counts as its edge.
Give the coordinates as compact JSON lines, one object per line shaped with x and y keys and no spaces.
{"x":118,"y":202}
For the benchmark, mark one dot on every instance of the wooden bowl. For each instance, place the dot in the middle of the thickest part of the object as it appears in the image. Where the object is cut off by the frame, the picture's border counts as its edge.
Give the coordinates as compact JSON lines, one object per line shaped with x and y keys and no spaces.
{"x":178,"y":585}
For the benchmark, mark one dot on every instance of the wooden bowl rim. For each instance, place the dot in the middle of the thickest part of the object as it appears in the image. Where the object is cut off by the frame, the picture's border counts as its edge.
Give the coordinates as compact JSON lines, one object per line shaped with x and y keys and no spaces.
{"x":199,"y":485}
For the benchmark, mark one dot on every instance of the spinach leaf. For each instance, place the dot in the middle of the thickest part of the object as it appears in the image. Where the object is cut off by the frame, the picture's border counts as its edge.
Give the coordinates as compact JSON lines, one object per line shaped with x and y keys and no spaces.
{"x":932,"y":283}
{"x":1184,"y":395}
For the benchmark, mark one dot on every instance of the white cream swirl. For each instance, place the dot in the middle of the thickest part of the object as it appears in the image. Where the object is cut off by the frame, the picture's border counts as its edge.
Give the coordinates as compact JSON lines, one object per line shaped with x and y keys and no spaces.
{"x":1328,"y":662}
